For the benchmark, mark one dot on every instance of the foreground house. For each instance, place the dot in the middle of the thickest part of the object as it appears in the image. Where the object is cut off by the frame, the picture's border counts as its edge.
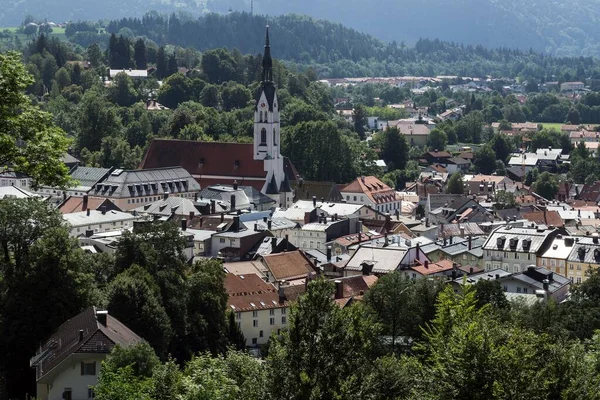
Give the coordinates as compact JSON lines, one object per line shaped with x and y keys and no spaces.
{"x":69,"y":362}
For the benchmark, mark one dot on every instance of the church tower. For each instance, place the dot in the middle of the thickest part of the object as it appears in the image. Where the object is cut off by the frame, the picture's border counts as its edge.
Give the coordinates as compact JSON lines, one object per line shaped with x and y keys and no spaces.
{"x":267,"y":135}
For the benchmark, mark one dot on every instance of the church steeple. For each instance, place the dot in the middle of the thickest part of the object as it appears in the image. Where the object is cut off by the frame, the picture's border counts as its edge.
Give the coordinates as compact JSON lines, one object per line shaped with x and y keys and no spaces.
{"x":267,"y":61}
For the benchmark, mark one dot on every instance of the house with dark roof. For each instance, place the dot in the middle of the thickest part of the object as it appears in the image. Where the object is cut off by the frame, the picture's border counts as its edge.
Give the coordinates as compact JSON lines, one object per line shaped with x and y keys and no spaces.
{"x":590,"y":192}
{"x":68,"y":363}
{"x":129,"y":189}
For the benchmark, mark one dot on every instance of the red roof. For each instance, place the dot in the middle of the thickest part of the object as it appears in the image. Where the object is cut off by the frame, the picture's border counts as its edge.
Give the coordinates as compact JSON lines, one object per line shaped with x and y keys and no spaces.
{"x":373,"y":188}
{"x":212,"y":162}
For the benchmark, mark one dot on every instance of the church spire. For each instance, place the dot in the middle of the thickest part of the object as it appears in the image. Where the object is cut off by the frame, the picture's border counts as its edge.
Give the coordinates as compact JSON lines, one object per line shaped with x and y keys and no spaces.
{"x":267,"y":62}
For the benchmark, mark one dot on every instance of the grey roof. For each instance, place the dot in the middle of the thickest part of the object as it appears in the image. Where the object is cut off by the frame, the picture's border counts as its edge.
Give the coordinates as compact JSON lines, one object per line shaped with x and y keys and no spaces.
{"x":68,"y":159}
{"x":535,"y":276}
{"x":276,"y":224}
{"x":484,"y":276}
{"x":585,"y":252}
{"x":96,"y":217}
{"x":200,"y":235}
{"x":88,"y":176}
{"x":13,"y":191}
{"x":255,"y":196}
{"x":458,"y":161}
{"x":462,"y":246}
{"x":439,"y":200}
{"x":146,"y":182}
{"x":384,"y":260}
{"x":322,"y":257}
{"x":223,"y":193}
{"x":506,"y":233}
{"x":341,"y":209}
{"x":469,"y":229}
{"x":172,"y":204}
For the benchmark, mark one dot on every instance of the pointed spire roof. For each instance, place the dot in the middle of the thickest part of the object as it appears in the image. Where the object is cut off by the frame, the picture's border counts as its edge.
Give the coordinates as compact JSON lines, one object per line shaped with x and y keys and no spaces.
{"x":285,"y":185}
{"x":267,"y":61}
{"x":272,"y":187}
{"x":267,"y":86}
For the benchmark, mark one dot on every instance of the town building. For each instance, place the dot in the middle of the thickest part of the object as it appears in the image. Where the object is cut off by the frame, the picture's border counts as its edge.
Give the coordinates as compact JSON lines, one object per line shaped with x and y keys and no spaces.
{"x":129,"y":189}
{"x":583,"y":258}
{"x":370,"y":191}
{"x":571,"y":86}
{"x":513,"y":249}
{"x":260,"y":308}
{"x":68,"y":364}
{"x":89,"y":222}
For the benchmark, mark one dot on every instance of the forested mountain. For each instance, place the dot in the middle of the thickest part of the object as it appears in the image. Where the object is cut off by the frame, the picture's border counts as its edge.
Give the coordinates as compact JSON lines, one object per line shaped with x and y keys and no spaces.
{"x":337,"y":51}
{"x":551,"y":26}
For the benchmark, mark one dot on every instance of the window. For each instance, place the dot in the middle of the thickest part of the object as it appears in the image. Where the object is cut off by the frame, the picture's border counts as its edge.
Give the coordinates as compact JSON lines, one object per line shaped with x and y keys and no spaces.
{"x":222,"y":240}
{"x":524,"y":290}
{"x":238,"y":315}
{"x":254,"y":340}
{"x":88,"y":368}
{"x":263,"y":136}
{"x":254,"y":314}
{"x":255,"y":323}
{"x":348,"y":198}
{"x":272,"y":321}
{"x":284,"y":320}
{"x":518,"y":290}
{"x":570,"y":266}
{"x":274,"y":141}
{"x":579,"y":268}
{"x":505,"y":288}
{"x":283,"y":311}
{"x":91,"y":393}
{"x":261,"y":334}
{"x":529,"y":256}
{"x":271,"y":312}
{"x":578,"y":279}
{"x":68,"y":394}
{"x":354,"y":198}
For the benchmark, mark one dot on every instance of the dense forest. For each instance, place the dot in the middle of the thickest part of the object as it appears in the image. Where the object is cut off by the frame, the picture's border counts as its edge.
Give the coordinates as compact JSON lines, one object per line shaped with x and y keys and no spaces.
{"x":550,"y":26}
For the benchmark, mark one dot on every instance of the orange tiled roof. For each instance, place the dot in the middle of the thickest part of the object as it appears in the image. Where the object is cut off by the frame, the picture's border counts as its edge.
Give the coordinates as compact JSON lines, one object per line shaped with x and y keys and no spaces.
{"x":373,"y":188}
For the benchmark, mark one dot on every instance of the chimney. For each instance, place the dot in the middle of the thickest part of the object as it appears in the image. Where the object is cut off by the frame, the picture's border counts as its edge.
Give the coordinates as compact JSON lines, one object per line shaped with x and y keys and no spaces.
{"x":426,"y":264}
{"x":386,"y":242}
{"x":339,"y":289}
{"x":256,"y":227}
{"x":329,"y":253}
{"x":315,"y":201}
{"x":101,"y":316}
{"x":359,"y":236}
{"x":81,"y":335}
{"x":222,"y":217}
{"x":470,"y":270}
{"x":269,"y":224}
{"x":85,"y":202}
{"x":88,"y":212}
{"x":235,"y":185}
{"x":322,"y":200}
{"x":183,"y":224}
{"x":366,"y":268}
{"x":192,"y":215}
{"x":388,"y":222}
{"x":281,"y":292}
{"x":470,"y":242}
{"x":453,"y":274}
{"x":306,"y":218}
{"x":165,"y":195}
{"x":497,"y":276}
{"x":236,"y":223}
{"x":232,"y":202}
{"x":273,"y":245}
{"x":451,"y":240}
{"x":265,"y":218}
{"x":213,"y":207}
{"x":462,"y":231}
{"x":103,"y":209}
{"x":418,"y":252}
{"x":546,"y":284}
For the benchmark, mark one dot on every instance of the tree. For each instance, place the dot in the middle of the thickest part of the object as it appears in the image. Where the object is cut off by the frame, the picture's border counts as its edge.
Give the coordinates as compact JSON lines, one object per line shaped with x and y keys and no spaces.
{"x":502,"y":146}
{"x":134,"y":299}
{"x":360,"y":120}
{"x":172,"y":65}
{"x":485,"y":160}
{"x":235,"y":336}
{"x":140,"y":54}
{"x":324,"y":348}
{"x":94,"y":55}
{"x":394,"y":149}
{"x":546,"y":185}
{"x":31,"y":143}
{"x":97,"y":119}
{"x":505,"y":199}
{"x":436,"y":140}
{"x":161,"y":64}
{"x":455,"y":184}
{"x":573,"y":117}
{"x":235,"y":96}
{"x":122,"y":91}
{"x":141,"y":357}
{"x":175,"y":90}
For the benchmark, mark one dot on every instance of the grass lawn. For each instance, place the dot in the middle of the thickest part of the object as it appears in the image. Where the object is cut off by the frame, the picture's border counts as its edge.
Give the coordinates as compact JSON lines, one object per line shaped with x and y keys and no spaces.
{"x":56,"y":32}
{"x":550,"y":125}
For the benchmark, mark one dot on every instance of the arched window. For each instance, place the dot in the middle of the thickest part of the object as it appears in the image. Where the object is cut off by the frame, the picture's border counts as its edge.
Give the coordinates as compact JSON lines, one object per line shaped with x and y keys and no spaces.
{"x":274,"y":142}
{"x":260,"y":119}
{"x":263,"y":136}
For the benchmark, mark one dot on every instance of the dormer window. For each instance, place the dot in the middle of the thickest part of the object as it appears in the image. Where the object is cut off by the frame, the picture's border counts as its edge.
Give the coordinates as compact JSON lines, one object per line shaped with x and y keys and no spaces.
{"x":201,"y":162}
{"x":236,"y":164}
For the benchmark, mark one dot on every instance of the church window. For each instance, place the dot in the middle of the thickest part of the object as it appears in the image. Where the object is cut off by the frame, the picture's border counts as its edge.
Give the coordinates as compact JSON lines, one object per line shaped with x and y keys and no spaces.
{"x":263,"y":136}
{"x":261,"y":117}
{"x":274,"y":142}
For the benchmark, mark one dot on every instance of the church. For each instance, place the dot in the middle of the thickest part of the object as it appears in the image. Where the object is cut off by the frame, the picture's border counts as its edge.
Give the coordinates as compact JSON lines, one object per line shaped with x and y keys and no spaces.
{"x":258,"y":164}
